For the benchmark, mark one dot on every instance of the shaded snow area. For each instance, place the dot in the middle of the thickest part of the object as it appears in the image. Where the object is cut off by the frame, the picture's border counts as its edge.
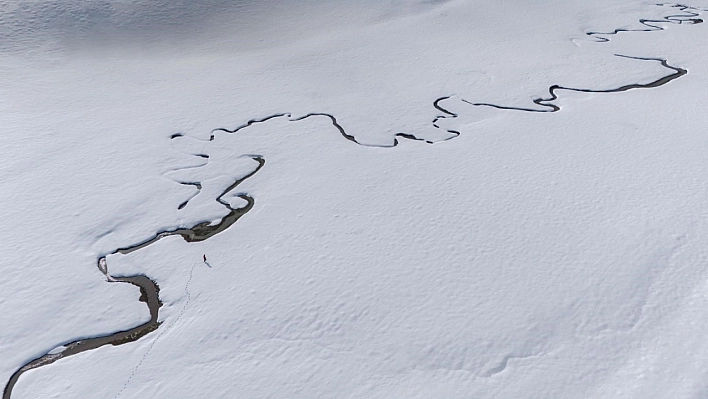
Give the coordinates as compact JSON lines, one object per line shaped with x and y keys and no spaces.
{"x":353,"y":199}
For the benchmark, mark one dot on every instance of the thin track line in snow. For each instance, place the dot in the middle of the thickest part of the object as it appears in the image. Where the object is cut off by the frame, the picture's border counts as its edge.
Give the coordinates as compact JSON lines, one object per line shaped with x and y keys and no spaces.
{"x":152,"y":344}
{"x":205,"y":230}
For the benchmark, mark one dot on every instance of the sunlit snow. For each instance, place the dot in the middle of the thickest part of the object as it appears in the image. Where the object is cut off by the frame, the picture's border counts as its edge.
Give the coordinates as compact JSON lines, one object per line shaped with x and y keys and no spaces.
{"x":414,"y":222}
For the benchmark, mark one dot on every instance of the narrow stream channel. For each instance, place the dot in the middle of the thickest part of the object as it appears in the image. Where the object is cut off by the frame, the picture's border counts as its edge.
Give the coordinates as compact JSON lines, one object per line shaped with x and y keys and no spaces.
{"x":150,"y":291}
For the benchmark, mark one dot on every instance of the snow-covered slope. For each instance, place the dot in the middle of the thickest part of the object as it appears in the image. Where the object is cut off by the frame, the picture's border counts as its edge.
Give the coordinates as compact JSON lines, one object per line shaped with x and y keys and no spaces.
{"x":502,"y":254}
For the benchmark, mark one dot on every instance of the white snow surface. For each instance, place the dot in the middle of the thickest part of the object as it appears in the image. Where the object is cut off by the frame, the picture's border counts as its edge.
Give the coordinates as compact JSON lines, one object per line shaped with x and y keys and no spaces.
{"x":535,"y":255}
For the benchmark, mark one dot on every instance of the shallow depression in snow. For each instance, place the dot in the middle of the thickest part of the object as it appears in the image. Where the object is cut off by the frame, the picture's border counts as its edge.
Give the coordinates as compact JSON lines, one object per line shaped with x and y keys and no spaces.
{"x":491,"y":253}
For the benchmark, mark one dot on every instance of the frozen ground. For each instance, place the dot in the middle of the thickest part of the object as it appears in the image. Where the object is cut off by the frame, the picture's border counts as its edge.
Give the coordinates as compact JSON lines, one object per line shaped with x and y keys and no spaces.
{"x":534,"y":255}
